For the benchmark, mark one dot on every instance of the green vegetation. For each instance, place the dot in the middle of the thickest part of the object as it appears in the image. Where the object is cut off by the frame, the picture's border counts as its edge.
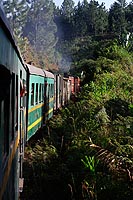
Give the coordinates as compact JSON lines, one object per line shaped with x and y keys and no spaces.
{"x":88,"y":151}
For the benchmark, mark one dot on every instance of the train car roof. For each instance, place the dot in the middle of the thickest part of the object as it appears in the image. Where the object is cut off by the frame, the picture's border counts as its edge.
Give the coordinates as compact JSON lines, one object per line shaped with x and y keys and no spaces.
{"x":35,"y":70}
{"x":48,"y":74}
{"x":5,"y":26}
{"x":38,"y":71}
{"x":65,"y":78}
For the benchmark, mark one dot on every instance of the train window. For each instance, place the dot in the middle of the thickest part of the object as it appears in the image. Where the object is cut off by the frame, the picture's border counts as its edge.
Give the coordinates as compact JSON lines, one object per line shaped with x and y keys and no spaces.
{"x":0,"y":114}
{"x":52,"y":89}
{"x":36,"y":93}
{"x":6,"y":123}
{"x":16,"y":107}
{"x":20,"y":74}
{"x":5,"y":81}
{"x":45,"y":89}
{"x":32,"y":94}
{"x":13,"y":106}
{"x":49,"y":91}
{"x":23,"y":88}
{"x":25,"y":93}
{"x":40,"y":91}
{"x":2,"y":131}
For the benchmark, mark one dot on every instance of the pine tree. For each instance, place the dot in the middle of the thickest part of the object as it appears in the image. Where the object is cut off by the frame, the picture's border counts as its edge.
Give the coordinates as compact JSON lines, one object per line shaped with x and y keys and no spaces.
{"x":67,"y":8}
{"x":93,"y":15}
{"x":16,"y":12}
{"x":40,"y":28}
{"x":80,"y":19}
{"x":101,"y":25}
{"x":129,"y":17}
{"x":117,"y":20}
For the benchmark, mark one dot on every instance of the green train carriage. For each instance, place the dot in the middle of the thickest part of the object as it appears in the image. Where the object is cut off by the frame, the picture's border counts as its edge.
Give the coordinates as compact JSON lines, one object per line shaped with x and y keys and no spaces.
{"x":12,"y":108}
{"x":40,"y":98}
{"x":49,"y":95}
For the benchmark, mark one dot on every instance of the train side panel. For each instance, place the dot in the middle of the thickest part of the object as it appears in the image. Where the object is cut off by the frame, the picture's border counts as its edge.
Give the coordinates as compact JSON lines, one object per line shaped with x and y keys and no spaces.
{"x":76,"y":84}
{"x":65,"y":91}
{"x":10,"y":63}
{"x":69,"y":89}
{"x":71,"y":78}
{"x":35,"y":104}
{"x":58,"y":97}
{"x":40,"y":100}
{"x":49,"y":98}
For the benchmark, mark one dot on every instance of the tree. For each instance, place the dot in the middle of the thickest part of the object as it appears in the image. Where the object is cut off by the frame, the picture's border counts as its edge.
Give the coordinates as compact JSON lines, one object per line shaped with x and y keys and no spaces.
{"x":67,"y":8}
{"x":28,"y":53}
{"x":80,"y":18}
{"x":122,"y":3}
{"x":16,"y":12}
{"x":90,"y":18}
{"x":117,"y":20}
{"x":102,"y":20}
{"x":93,"y":14}
{"x":129,"y":17}
{"x":40,"y":28}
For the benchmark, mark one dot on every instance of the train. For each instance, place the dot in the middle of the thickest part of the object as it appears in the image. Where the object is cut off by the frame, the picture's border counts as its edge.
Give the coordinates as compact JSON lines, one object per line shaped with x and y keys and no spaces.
{"x":29,"y":97}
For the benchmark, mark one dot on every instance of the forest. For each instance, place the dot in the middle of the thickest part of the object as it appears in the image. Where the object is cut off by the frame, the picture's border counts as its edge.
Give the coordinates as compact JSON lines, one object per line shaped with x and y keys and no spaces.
{"x":59,"y":38}
{"x":86,"y":151}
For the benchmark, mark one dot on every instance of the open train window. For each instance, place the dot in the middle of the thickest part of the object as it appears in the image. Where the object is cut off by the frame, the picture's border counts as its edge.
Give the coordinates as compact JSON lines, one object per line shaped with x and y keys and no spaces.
{"x":25,"y":93}
{"x":49,"y":91}
{"x":36,"y":93}
{"x":32,"y":94}
{"x":16,"y":106}
{"x":52,"y":90}
{"x":13,"y":106}
{"x":45,"y":89}
{"x":23,"y":89}
{"x":5,"y":80}
{"x":40,"y":92}
{"x":0,"y":114}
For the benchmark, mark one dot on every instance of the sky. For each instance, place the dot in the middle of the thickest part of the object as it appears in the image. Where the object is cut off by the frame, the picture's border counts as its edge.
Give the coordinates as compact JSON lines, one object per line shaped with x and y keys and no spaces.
{"x":108,"y":3}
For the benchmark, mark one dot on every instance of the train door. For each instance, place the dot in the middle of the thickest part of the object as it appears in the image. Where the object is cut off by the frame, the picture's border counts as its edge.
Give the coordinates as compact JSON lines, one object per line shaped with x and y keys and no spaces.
{"x":4,"y":114}
{"x":22,"y":119}
{"x":5,"y":82}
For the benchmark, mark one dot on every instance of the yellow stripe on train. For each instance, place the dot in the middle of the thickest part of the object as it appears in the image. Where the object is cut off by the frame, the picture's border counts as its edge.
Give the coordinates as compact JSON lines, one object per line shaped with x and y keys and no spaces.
{"x":35,"y":123}
{"x":35,"y":107}
{"x":51,"y":110}
{"x":39,"y":106}
{"x":39,"y":120}
{"x":8,"y":168}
